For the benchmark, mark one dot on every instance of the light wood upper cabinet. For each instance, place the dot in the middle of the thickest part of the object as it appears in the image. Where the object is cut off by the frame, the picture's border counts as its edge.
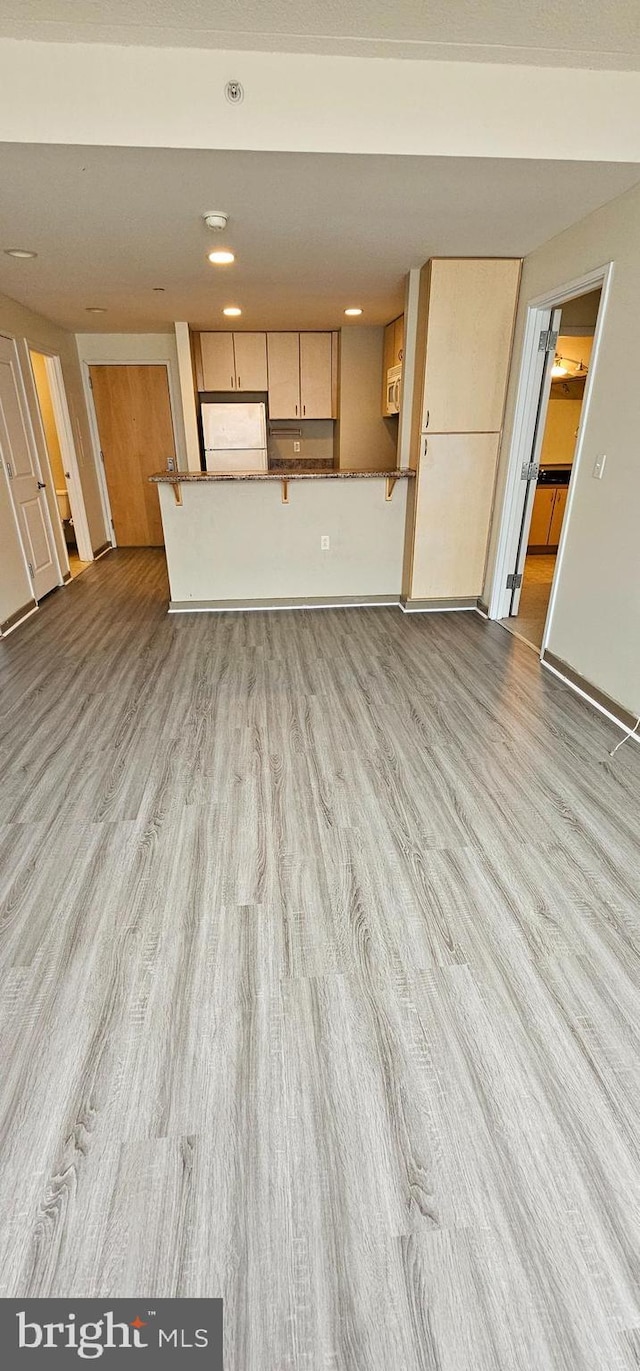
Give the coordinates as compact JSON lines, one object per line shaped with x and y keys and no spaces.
{"x":398,"y":341}
{"x":283,"y":360}
{"x":466,"y":353}
{"x":218,"y":361}
{"x":315,"y":375}
{"x":250,"y":350}
{"x":392,"y":354}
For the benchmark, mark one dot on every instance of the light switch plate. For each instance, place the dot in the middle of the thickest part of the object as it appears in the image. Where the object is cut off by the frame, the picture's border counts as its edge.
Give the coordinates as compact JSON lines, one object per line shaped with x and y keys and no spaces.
{"x":598,"y":470}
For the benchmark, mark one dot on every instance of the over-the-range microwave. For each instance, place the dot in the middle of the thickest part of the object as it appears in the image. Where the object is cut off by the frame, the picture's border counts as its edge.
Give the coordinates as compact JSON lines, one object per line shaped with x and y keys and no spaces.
{"x":394,"y":381}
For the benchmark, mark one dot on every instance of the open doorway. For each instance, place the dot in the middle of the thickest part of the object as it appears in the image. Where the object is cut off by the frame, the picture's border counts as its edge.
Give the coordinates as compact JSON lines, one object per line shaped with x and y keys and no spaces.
{"x":575,"y":325}
{"x":67,"y":506}
{"x":559,"y":355}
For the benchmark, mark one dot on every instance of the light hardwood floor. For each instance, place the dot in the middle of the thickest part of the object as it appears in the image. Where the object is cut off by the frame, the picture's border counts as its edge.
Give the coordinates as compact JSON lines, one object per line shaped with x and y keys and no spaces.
{"x":319,"y":947}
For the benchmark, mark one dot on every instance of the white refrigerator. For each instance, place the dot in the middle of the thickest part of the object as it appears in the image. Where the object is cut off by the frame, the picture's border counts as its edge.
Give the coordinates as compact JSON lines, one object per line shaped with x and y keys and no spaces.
{"x":235,"y":437}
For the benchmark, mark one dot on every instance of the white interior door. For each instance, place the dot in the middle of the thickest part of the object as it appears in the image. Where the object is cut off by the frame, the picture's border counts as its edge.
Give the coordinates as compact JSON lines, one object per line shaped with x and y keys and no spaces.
{"x":27,"y":491}
{"x":547,"y":361}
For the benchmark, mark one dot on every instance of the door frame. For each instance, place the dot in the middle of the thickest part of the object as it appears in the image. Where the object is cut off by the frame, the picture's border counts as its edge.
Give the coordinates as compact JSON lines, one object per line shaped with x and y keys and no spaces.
{"x":62,"y":417}
{"x":516,"y":490}
{"x":23,"y":401}
{"x":93,"y":418}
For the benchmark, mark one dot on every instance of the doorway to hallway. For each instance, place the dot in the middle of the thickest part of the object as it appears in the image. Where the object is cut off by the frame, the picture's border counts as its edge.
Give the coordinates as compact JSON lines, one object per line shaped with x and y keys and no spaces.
{"x":64,"y":491}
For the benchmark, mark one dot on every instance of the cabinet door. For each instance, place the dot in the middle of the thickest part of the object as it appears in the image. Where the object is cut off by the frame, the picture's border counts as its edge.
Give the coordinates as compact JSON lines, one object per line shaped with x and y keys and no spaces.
{"x":398,"y":341}
{"x":388,"y":360}
{"x":468,"y":348}
{"x":454,"y":496}
{"x":250,"y":351}
{"x":540,"y":526}
{"x":559,"y":506}
{"x":283,"y":359}
{"x":218,"y":363}
{"x":315,"y":375}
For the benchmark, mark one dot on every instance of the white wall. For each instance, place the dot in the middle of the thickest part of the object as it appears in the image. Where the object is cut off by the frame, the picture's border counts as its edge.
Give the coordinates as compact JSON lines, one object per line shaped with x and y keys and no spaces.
{"x":141,"y":347}
{"x":365,"y":439}
{"x":172,"y":97}
{"x":596,"y":623}
{"x":32,"y":330}
{"x":236,"y":540}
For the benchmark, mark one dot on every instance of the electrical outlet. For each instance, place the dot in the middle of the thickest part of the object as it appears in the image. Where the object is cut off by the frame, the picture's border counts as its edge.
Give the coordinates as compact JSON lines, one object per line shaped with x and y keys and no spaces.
{"x":296,"y":446}
{"x":325,"y":542}
{"x":598,"y":470}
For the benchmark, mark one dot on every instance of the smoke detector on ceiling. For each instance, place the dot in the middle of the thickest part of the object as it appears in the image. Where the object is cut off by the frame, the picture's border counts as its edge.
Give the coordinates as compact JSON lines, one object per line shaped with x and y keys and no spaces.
{"x":216,"y":219}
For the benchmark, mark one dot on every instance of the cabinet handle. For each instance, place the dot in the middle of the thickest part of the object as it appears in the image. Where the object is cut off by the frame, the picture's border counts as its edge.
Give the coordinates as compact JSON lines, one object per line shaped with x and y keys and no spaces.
{"x":233,"y":381}
{"x":304,"y":409}
{"x":426,"y":422}
{"x":239,"y":384}
{"x":296,"y":409}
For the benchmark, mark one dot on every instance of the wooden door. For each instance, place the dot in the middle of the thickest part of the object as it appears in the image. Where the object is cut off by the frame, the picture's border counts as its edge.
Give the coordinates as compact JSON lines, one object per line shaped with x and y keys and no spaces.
{"x":250,"y":350}
{"x":315,"y":375}
{"x":398,"y":341}
{"x":540,"y":525}
{"x":27,"y":489}
{"x":283,"y":360}
{"x":218,"y":362}
{"x":136,"y":438}
{"x":559,"y":506}
{"x":470,"y":325}
{"x":388,"y":360}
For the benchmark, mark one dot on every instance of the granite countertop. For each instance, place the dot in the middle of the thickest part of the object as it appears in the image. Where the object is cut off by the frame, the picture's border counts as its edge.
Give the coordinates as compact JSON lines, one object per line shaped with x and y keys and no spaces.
{"x":175,"y":477}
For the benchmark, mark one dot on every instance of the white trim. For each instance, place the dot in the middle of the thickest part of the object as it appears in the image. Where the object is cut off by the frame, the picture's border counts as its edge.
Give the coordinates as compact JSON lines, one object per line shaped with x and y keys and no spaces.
{"x":440,"y":609}
{"x":530,"y":380}
{"x":85,"y":366}
{"x":5,"y":633}
{"x":590,"y":700}
{"x":179,"y":607}
{"x":62,"y":419}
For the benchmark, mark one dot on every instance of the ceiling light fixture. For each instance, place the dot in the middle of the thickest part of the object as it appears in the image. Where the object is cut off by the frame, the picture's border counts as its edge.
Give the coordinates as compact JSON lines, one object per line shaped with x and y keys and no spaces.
{"x":221,"y":256}
{"x":20,"y":252}
{"x":95,"y":309}
{"x":232,"y":311}
{"x":354,"y":310}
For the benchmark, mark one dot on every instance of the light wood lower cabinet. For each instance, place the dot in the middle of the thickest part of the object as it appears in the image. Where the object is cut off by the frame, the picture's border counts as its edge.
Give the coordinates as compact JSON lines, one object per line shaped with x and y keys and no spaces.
{"x":559,"y":507}
{"x":453,"y":500}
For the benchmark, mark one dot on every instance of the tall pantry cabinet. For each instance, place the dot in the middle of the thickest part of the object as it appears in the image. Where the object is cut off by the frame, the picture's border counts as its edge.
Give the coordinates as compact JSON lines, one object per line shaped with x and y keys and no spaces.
{"x":466,"y":315}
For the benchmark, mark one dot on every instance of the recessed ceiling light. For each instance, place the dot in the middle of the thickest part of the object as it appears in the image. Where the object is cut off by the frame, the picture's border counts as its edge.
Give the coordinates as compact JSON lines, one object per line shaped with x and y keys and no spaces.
{"x":221,"y":256}
{"x":20,"y":252}
{"x":95,"y":309}
{"x":354,"y":310}
{"x":232,"y":310}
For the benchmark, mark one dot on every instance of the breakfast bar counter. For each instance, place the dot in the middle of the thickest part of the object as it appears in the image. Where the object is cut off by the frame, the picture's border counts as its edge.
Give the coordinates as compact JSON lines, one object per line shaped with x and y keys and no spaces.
{"x":277,"y":539}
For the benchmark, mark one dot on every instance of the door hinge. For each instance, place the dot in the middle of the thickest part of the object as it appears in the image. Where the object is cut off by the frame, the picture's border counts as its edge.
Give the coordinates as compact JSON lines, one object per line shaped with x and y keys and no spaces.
{"x":530,"y":471}
{"x":113,"y":525}
{"x":90,"y":382}
{"x":514,"y":581}
{"x":9,"y":470}
{"x":101,"y":456}
{"x":30,"y":570}
{"x":548,"y":340}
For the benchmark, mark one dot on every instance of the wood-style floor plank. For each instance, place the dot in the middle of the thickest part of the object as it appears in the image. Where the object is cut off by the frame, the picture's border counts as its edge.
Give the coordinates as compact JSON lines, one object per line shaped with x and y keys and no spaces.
{"x":319,"y":963}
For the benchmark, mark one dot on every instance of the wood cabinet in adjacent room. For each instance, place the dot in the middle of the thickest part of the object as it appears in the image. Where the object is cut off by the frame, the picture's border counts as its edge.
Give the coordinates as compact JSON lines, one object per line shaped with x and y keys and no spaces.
{"x":549,"y":505}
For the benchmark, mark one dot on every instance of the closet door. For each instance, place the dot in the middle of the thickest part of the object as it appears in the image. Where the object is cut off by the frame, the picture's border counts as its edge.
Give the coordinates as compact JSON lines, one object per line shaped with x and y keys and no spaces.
{"x":283,"y":361}
{"x":471,"y":311}
{"x":454,"y":496}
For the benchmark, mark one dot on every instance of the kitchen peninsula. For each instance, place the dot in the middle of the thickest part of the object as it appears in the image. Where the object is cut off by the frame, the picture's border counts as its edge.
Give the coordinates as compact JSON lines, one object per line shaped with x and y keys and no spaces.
{"x":251,"y":540}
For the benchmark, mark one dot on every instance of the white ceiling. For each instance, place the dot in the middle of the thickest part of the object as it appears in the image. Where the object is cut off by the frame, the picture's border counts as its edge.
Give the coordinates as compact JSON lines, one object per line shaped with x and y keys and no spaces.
{"x":588,"y":33}
{"x":312,"y":233}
